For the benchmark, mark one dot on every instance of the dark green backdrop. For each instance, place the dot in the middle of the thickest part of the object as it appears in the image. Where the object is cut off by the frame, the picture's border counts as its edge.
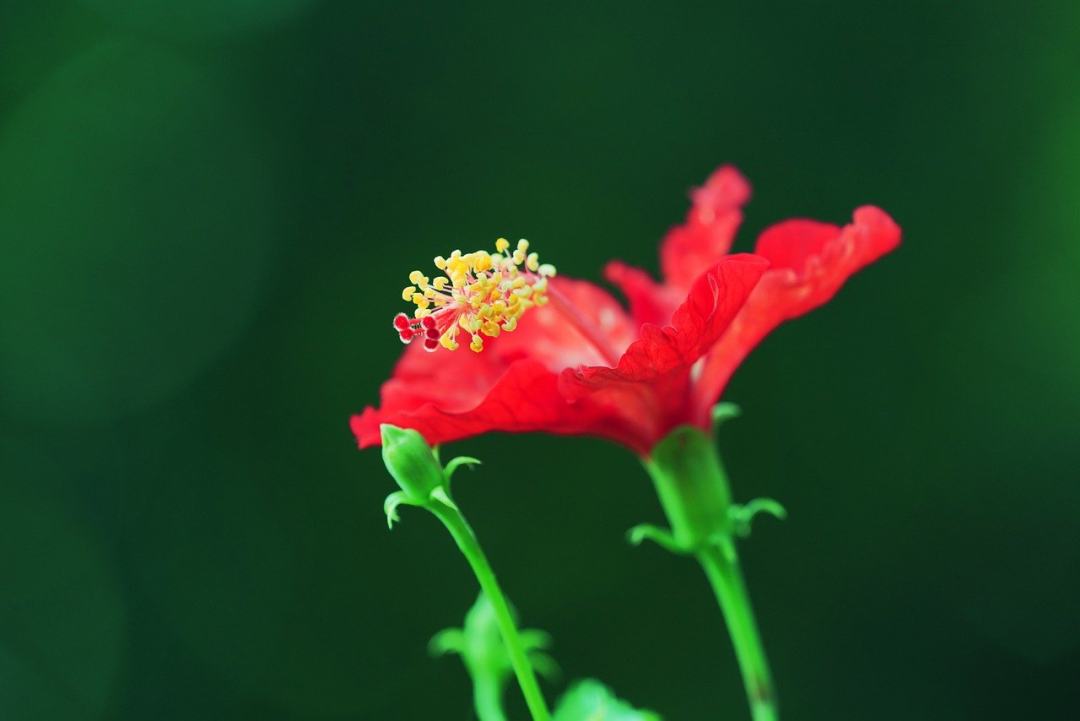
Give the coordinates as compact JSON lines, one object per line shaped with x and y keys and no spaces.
{"x":207,"y":210}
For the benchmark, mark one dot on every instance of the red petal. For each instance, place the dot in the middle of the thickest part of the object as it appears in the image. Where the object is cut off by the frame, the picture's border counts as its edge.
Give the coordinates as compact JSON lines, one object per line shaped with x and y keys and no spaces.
{"x":706,"y":236}
{"x":511,"y":386}
{"x":811,"y":261}
{"x":546,"y":335}
{"x":522,"y":398}
{"x":650,"y":302}
{"x":648,"y":387}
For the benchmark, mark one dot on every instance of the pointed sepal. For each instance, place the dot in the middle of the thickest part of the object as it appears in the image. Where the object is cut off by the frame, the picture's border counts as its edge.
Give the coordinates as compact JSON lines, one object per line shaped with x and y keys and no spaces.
{"x":456,"y":463}
{"x":660,"y":536}
{"x":447,"y":641}
{"x":392,"y":503}
{"x":725,"y":411}
{"x":742,"y":516}
{"x":440,"y":494}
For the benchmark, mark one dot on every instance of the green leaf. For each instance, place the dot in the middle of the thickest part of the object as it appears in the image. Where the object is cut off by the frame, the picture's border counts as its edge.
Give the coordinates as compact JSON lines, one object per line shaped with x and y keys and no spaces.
{"x":590,"y":700}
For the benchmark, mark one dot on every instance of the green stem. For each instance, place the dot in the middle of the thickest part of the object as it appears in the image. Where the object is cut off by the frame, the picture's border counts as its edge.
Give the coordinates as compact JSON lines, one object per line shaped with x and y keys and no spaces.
{"x":487,"y":697}
{"x":470,"y":547}
{"x":721,"y":564}
{"x":694,"y":492}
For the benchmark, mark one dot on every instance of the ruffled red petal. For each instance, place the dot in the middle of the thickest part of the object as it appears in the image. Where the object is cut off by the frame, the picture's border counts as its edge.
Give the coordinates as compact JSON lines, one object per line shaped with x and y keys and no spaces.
{"x":523,"y":398}
{"x":650,"y":384}
{"x":810,"y":263}
{"x":706,"y":236}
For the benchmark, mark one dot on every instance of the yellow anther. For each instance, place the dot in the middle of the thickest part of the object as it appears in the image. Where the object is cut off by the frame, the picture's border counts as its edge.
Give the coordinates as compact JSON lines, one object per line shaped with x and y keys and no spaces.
{"x":481,"y":261}
{"x":481,"y":293}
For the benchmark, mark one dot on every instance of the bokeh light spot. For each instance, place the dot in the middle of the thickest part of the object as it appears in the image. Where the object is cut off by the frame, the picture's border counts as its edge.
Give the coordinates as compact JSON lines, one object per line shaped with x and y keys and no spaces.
{"x":135,"y":214}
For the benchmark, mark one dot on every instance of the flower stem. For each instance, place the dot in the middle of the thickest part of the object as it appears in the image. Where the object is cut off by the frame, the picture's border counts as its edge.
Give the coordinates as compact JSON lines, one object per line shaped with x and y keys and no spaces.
{"x":470,"y":547}
{"x":487,"y":699}
{"x":721,"y":565}
{"x":695,"y":495}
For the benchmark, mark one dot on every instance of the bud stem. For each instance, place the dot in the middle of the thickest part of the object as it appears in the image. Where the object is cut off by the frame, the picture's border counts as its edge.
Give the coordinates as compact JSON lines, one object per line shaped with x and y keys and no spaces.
{"x":487,"y":698}
{"x":470,"y":547}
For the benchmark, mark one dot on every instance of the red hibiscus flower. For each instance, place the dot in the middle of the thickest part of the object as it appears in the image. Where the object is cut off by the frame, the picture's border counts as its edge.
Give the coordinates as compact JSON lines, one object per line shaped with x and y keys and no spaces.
{"x":578,"y":362}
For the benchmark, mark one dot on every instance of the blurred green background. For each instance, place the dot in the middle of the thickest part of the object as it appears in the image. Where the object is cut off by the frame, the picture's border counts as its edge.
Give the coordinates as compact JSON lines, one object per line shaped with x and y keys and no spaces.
{"x":207,"y":210}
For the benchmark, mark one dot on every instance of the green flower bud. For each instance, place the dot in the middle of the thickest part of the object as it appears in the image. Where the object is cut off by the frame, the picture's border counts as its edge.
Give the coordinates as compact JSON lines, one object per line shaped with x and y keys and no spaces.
{"x":411,"y":462}
{"x":590,"y":699}
{"x":692,"y":486}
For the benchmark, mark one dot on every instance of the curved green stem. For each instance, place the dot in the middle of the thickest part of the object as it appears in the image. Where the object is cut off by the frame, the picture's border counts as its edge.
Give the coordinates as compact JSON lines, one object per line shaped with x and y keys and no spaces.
{"x":470,"y":547}
{"x":721,"y":565}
